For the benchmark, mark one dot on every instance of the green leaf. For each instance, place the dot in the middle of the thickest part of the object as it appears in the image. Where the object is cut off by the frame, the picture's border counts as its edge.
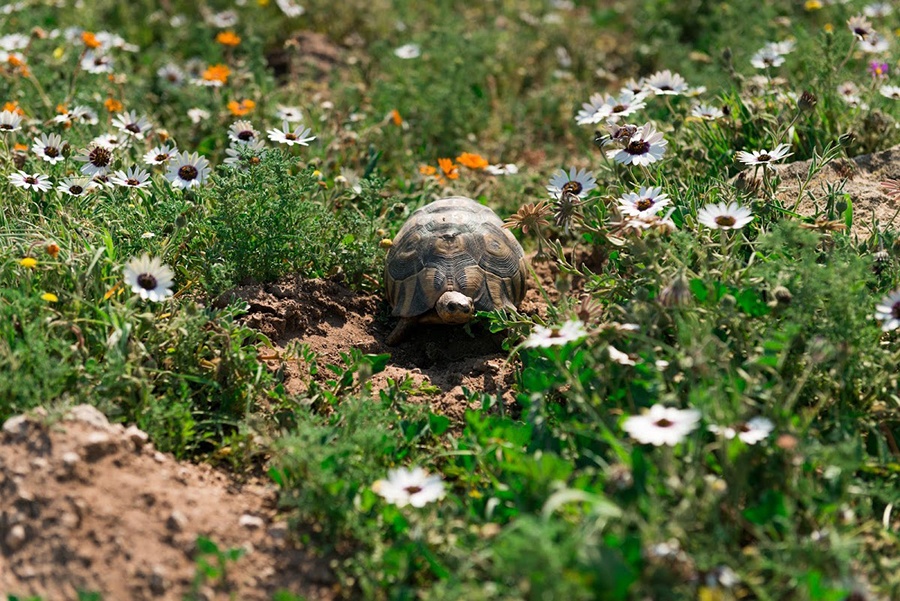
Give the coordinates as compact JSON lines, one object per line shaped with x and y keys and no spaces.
{"x":699,"y":289}
{"x":438,"y":423}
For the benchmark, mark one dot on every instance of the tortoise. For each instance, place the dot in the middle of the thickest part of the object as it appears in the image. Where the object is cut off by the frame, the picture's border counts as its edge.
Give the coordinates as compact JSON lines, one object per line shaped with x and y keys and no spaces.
{"x":450,"y":259}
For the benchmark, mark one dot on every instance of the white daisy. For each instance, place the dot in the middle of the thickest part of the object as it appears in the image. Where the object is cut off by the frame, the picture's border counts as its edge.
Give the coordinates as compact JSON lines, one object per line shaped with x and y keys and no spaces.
{"x":666,"y":83}
{"x":646,"y":146}
{"x":132,"y":124}
{"x":49,"y":148}
{"x":750,"y":432}
{"x":408,"y":51}
{"x":707,"y":112}
{"x":96,"y":159}
{"x":543,"y":337}
{"x":849,"y":93}
{"x":875,"y":44}
{"x":764,"y":157}
{"x":243,"y":132}
{"x":619,"y":357}
{"x":96,"y":62}
{"x":285,"y":135}
{"x":662,"y":425}
{"x":722,"y":216}
{"x":171,"y":74}
{"x":198,"y":115}
{"x":878,"y":10}
{"x":291,"y":114}
{"x":84,"y":114}
{"x":888,"y":311}
{"x":245,"y":155}
{"x":609,"y":108}
{"x":111,"y":141}
{"x":635,"y":86}
{"x":223,"y":19}
{"x":160,"y":155}
{"x":290,"y":8}
{"x":76,"y":186}
{"x":33,"y":181}
{"x":134,"y":177}
{"x":892,"y":92}
{"x":414,"y":487}
{"x":149,"y":278}
{"x":507,"y":169}
{"x":860,"y":27}
{"x":578,"y":182}
{"x":10,"y":121}
{"x":783,"y":47}
{"x":187,"y":170}
{"x":766,"y":58}
{"x":647,"y":201}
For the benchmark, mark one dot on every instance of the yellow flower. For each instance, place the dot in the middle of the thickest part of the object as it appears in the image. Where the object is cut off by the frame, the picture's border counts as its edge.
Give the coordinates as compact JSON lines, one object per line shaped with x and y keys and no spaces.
{"x":28,"y":262}
{"x":812,"y":5}
{"x":263,"y":2}
{"x":829,"y":28}
{"x":49,"y":297}
{"x":228,"y":38}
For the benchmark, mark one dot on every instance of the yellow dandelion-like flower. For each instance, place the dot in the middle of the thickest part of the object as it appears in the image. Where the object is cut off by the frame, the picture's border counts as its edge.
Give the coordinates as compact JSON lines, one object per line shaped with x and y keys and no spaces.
{"x":829,"y":28}
{"x":812,"y":5}
{"x":49,"y":297}
{"x":28,"y":262}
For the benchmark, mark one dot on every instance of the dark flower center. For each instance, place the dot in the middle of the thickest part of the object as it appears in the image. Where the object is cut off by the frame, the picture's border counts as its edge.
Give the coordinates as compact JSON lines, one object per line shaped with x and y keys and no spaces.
{"x":132,"y":182}
{"x":254,"y":160}
{"x":51,"y":151}
{"x":619,"y":108}
{"x":742,"y":427}
{"x":638,"y":147}
{"x":76,"y":190}
{"x":245,"y":135}
{"x":290,"y":136}
{"x":572,"y":188}
{"x":100,"y":157}
{"x":764,"y":157}
{"x":146,"y":281}
{"x":861,"y":32}
{"x":413,"y":489}
{"x":895,"y":310}
{"x":725,"y":220}
{"x":6,"y":126}
{"x":666,"y":88}
{"x":188,"y":172}
{"x":644,"y":204}
{"x":161,"y":157}
{"x":133,"y":128}
{"x":31,"y":180}
{"x":663,"y":423}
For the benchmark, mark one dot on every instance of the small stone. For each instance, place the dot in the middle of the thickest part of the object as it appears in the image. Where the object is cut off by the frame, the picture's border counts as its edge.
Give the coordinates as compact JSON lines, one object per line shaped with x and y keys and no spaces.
{"x":39,"y":463}
{"x":70,"y":459}
{"x":70,"y":520}
{"x":177,"y":521}
{"x":278,"y":530}
{"x":158,"y":581}
{"x":251,"y":522}
{"x":15,"y":537}
{"x":98,"y":445}
{"x":89,"y":415}
{"x":137,"y":437}
{"x":159,"y":457}
{"x":16,"y":427}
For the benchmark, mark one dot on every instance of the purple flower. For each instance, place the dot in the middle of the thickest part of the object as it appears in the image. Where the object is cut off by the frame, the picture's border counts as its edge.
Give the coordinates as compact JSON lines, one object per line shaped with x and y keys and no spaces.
{"x":878,"y":70}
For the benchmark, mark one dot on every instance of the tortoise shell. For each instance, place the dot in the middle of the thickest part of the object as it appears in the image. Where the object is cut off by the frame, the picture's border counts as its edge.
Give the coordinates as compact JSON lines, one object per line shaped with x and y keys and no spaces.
{"x":454,"y":244}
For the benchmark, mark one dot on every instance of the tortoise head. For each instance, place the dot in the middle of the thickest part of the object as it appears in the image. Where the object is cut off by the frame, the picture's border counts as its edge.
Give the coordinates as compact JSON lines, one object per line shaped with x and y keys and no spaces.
{"x":454,"y":307}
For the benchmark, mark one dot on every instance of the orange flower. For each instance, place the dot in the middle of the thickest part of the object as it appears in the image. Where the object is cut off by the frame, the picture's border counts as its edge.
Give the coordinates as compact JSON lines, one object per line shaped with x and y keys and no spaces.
{"x":228,"y":38}
{"x":113,"y":105}
{"x":427,"y":170}
{"x":239,"y":109}
{"x":472,"y":161}
{"x":396,"y":118}
{"x":61,"y":109}
{"x":13,"y":107}
{"x":52,"y":249}
{"x":90,"y":40}
{"x":449,"y":169}
{"x":20,"y":147}
{"x":217,"y":73}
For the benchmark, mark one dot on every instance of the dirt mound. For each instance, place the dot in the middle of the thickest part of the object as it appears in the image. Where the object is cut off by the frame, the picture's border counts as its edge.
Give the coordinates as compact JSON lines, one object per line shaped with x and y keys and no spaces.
{"x":861,"y":178}
{"x":86,"y":506}
{"x":437,"y":362}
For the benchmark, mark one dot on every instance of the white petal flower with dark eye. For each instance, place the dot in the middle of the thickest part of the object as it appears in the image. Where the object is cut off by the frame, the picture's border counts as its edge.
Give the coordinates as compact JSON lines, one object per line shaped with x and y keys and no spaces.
{"x":666,"y":83}
{"x":613,"y":108}
{"x":198,"y":115}
{"x":34,"y":181}
{"x":96,"y":159}
{"x":764,"y":157}
{"x":892,"y":92}
{"x":49,"y":148}
{"x":507,"y":169}
{"x":132,"y":124}
{"x":134,"y":177}
{"x":647,"y":201}
{"x":635,"y":86}
{"x":149,"y":278}
{"x":291,"y":114}
{"x":783,"y":47}
{"x":244,"y":156}
{"x":85,"y":114}
{"x":77,"y":186}
{"x":543,"y":337}
{"x":290,"y":8}
{"x":414,"y":487}
{"x":96,"y":62}
{"x":591,"y":111}
{"x":662,"y":425}
{"x":187,"y":170}
{"x":722,"y":216}
{"x":860,"y":27}
{"x":766,"y":59}
{"x":223,"y":19}
{"x":646,"y":146}
{"x":888,"y":311}
{"x":578,"y":182}
{"x":408,"y":51}
{"x":285,"y":135}
{"x":171,"y":74}
{"x":750,"y":432}
{"x":875,"y":44}
{"x":707,"y":112}
{"x":243,"y":132}
{"x":849,"y":93}
{"x":161,"y":155}
{"x":9,"y":121}
{"x":111,"y":141}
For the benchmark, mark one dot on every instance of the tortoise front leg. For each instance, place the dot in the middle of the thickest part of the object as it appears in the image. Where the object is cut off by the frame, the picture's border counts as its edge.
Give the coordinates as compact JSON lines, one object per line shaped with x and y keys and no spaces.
{"x":400,"y":331}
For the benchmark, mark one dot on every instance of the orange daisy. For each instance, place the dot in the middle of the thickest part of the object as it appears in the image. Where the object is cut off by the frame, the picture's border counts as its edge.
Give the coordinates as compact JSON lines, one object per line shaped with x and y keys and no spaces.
{"x":472,"y":160}
{"x":239,"y":109}
{"x":228,"y":38}
{"x":449,"y":169}
{"x":218,"y":73}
